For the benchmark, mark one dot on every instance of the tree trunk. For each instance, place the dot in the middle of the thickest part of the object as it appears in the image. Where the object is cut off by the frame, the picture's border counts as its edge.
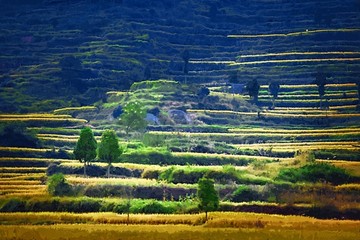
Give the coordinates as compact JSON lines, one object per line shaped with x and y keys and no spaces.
{"x":108,"y":170}
{"x":273,"y":103}
{"x":84,"y":168}
{"x":206,"y":216}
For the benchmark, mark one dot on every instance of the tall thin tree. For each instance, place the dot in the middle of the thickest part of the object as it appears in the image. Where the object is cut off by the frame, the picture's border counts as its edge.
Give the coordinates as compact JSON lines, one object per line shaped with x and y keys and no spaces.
{"x":109,"y":148}
{"x":85,"y":149}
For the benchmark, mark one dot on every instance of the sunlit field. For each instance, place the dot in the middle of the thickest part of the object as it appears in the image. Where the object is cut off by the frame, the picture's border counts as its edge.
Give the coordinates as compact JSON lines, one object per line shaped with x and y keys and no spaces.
{"x":220,"y":226}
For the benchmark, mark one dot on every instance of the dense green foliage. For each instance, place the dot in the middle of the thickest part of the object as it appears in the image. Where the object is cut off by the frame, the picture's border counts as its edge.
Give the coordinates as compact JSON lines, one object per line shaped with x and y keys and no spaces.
{"x":86,"y":146}
{"x":133,"y":117}
{"x":316,"y":172}
{"x":207,"y":195}
{"x":109,"y":149}
{"x":58,"y":186}
{"x":244,"y":194}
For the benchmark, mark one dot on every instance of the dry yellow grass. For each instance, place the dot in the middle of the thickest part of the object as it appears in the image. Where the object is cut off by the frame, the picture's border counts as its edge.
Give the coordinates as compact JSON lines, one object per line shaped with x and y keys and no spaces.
{"x":41,"y":119}
{"x":18,"y":182}
{"x":351,"y":167}
{"x":122,"y":181}
{"x":283,"y":147}
{"x":220,"y":226}
{"x":71,"y":109}
{"x":22,"y":169}
{"x":33,"y":115}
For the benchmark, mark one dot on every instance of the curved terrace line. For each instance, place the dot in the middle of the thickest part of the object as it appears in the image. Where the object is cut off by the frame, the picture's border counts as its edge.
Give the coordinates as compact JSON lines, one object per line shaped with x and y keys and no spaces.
{"x":292,"y":34}
{"x":298,"y":60}
{"x":297,"y":53}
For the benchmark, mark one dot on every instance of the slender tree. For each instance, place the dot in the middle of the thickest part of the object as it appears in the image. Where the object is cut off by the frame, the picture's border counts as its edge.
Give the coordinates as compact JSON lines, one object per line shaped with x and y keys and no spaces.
{"x":274,"y":88}
{"x":320,"y":81}
{"x":109,"y":148}
{"x":85,"y":149}
{"x":186,"y":57}
{"x":253,"y":88}
{"x":208,"y":197}
{"x":133,"y":117}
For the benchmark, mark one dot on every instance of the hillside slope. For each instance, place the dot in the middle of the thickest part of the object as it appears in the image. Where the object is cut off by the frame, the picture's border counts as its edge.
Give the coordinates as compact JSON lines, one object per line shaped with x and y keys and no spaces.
{"x":69,"y":53}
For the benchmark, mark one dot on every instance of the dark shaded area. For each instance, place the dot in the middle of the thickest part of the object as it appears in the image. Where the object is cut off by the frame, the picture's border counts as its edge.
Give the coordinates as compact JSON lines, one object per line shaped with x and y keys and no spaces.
{"x":17,"y":135}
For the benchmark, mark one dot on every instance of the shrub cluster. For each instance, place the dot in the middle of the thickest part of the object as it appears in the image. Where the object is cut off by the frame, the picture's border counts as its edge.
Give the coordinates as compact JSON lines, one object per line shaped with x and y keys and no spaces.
{"x":85,"y":204}
{"x":315,"y":172}
{"x":93,"y":170}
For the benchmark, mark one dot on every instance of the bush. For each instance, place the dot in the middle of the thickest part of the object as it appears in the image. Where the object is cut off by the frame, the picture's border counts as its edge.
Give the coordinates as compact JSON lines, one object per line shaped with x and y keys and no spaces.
{"x":147,"y":156}
{"x":58,"y":186}
{"x":316,"y":172}
{"x":152,"y":206}
{"x":13,"y":205}
{"x":244,"y":194}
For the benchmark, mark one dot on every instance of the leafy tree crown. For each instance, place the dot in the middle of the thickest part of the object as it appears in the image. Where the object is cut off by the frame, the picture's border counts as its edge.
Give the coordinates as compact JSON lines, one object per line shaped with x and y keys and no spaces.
{"x":85,"y":149}
{"x":109,"y":146}
{"x":208,"y":197}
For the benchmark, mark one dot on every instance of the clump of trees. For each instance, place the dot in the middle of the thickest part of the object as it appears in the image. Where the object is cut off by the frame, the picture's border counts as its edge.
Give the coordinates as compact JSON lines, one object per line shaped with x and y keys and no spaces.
{"x":87,"y":148}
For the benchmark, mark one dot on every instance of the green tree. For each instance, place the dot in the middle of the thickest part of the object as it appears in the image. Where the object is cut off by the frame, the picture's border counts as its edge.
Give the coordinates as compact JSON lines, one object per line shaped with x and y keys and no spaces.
{"x":274,"y":88}
{"x":207,"y":195}
{"x":133,"y":118}
{"x":58,"y":186}
{"x":85,"y":149}
{"x":253,"y":88}
{"x":109,"y":148}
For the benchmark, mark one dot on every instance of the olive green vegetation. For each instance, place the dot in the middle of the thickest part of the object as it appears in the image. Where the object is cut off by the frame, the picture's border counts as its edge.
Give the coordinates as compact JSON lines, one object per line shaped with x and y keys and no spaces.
{"x":85,"y":150}
{"x":58,"y":186}
{"x":109,"y":149}
{"x":133,"y":118}
{"x":207,"y":195}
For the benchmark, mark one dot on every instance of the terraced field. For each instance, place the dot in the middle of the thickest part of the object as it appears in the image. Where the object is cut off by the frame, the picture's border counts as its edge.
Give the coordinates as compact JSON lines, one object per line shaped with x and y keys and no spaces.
{"x":263,"y":158}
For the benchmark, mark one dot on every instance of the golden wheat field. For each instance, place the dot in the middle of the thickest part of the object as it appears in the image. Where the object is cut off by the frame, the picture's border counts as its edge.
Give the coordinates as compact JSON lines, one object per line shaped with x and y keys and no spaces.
{"x":220,"y":226}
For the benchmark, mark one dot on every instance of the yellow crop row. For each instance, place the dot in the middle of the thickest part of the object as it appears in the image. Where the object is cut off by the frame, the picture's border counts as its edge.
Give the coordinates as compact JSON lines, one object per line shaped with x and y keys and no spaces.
{"x":121,"y":181}
{"x":35,"y":115}
{"x":22,"y":169}
{"x":272,"y":114}
{"x":220,"y":226}
{"x":19,"y":182}
{"x":71,"y":109}
{"x":269,"y":130}
{"x":216,"y":155}
{"x":307,"y":86}
{"x":31,"y":159}
{"x":72,"y":120}
{"x":249,"y":133}
{"x":21,"y":149}
{"x":352,"y":167}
